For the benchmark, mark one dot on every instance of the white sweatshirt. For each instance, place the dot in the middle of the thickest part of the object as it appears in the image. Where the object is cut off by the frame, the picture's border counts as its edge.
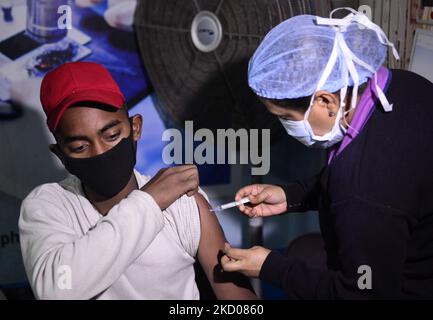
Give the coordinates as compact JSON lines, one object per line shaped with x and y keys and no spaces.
{"x":71,"y":251}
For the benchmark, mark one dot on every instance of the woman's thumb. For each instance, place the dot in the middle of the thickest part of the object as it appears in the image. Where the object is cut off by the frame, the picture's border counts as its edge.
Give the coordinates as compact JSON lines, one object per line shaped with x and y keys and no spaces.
{"x":259,"y":198}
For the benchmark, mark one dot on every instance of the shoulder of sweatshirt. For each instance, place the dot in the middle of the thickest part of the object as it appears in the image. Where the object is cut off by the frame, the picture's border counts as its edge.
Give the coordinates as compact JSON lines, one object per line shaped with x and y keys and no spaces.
{"x":58,"y":195}
{"x":48,"y":201}
{"x":409,"y":87}
{"x":48,"y":192}
{"x":57,"y":192}
{"x":143,"y":179}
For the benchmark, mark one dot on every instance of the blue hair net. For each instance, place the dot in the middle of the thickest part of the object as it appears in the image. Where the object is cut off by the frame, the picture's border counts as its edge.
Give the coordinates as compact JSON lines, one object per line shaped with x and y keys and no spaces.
{"x":291,"y":59}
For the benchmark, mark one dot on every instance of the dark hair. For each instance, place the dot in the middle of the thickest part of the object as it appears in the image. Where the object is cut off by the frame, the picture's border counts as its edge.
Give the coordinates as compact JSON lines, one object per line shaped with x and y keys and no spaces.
{"x":302,"y":104}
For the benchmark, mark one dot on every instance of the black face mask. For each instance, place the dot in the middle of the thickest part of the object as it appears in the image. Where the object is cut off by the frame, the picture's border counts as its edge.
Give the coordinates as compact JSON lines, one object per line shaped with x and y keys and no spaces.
{"x":108,"y":173}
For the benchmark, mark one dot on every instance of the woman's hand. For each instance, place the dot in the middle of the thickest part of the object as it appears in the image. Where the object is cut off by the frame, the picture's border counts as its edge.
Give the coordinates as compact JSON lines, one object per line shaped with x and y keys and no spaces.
{"x":249,"y":262}
{"x":266,"y":200}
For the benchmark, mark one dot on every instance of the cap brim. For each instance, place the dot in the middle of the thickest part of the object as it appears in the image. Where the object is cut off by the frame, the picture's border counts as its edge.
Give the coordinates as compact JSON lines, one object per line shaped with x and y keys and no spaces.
{"x":109,"y":98}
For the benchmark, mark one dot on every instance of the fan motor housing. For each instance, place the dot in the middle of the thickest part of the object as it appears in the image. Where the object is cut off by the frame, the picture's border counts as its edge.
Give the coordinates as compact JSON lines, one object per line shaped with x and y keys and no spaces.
{"x":206,"y":31}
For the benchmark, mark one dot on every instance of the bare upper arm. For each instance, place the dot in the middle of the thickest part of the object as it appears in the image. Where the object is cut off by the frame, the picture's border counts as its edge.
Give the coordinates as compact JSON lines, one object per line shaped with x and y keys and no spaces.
{"x":225,"y":285}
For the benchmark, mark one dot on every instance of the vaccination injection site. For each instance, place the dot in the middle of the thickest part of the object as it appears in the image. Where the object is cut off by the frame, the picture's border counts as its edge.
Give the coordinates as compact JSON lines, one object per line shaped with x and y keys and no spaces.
{"x":206,"y":150}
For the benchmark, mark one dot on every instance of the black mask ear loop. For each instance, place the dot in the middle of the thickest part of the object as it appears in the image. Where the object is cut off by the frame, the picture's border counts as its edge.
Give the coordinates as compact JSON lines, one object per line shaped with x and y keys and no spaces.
{"x":135,"y":143}
{"x":131,"y":135}
{"x":131,"y":125}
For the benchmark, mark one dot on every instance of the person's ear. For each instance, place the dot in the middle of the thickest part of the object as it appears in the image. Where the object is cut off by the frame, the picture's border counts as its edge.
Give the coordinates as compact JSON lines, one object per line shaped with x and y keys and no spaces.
{"x":330,"y":101}
{"x":54,"y":148}
{"x":137,"y":125}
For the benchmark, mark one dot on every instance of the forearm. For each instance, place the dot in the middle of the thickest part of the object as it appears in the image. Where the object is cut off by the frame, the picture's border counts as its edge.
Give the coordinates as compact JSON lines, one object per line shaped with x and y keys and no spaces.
{"x":302,"y":195}
{"x":369,"y":235}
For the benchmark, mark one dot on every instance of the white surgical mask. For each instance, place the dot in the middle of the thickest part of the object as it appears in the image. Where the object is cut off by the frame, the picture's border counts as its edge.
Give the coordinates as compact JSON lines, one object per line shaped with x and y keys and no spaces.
{"x":303,"y":132}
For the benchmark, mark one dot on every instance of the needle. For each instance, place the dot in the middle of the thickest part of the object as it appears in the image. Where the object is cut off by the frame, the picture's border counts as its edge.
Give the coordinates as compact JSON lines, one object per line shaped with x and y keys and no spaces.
{"x":230,"y":205}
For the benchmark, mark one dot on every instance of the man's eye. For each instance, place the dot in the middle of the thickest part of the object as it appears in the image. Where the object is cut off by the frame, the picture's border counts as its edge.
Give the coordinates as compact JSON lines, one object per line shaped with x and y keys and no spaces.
{"x":79,"y":149}
{"x":112,"y":137}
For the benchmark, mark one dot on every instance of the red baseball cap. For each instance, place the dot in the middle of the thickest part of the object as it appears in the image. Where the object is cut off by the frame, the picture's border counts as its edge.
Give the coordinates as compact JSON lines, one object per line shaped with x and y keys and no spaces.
{"x":75,"y":82}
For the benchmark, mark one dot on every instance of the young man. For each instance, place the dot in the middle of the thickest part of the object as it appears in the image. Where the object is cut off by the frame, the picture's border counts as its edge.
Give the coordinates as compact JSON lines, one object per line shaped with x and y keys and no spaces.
{"x":107,"y":232}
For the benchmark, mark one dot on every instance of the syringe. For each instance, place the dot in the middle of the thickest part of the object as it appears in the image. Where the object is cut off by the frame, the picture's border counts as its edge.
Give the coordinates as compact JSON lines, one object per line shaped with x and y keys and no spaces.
{"x":230,"y":205}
